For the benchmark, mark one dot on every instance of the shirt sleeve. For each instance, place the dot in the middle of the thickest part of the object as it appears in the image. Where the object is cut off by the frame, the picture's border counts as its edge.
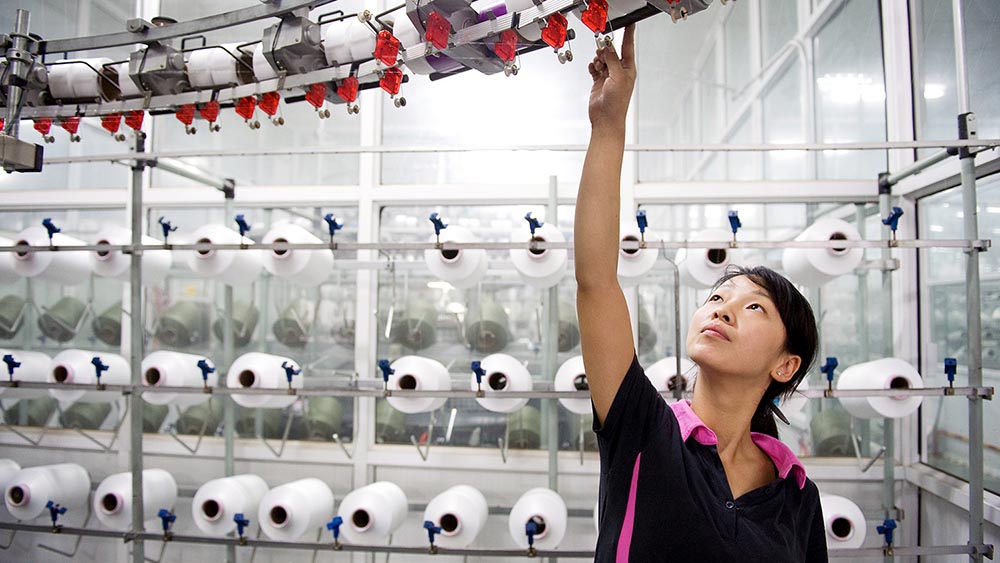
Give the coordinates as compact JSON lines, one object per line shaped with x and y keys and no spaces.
{"x":816,"y":549}
{"x":636,"y":411}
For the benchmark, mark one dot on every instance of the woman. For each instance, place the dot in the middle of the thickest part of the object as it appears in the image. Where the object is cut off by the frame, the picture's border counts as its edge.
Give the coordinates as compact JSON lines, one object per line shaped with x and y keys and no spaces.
{"x":706,"y":480}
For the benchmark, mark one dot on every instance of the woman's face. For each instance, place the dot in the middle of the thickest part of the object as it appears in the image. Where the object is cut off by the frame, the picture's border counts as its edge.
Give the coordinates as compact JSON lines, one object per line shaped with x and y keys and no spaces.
{"x":738,"y":330}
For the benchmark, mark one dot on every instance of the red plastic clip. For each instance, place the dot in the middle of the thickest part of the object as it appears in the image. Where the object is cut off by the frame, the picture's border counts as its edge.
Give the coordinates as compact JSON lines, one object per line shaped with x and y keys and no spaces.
{"x":2,"y":122}
{"x":134,"y":119}
{"x":316,"y":96}
{"x":386,"y":48}
{"x":269,"y":103}
{"x":186,"y":114}
{"x":595,"y":16}
{"x":391,"y":80}
{"x":506,"y":47}
{"x":438,"y":30}
{"x":245,"y":107}
{"x":210,"y":111}
{"x":70,"y":124}
{"x":348,"y":89}
{"x":554,"y":33}
{"x":111,"y":122}
{"x":43,"y":125}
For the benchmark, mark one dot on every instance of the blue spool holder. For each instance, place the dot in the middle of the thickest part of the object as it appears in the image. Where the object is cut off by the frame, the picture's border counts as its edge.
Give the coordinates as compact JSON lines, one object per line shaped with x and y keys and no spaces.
{"x":432,"y":531}
{"x":206,"y":368}
{"x":99,"y":368}
{"x":477,"y":368}
{"x":643,"y":223}
{"x":241,"y":222}
{"x":11,"y":365}
{"x":332,"y":225}
{"x":439,"y":225}
{"x":334,"y":526}
{"x":950,"y":369}
{"x":888,"y":525}
{"x":530,"y":529}
{"x":167,"y":518}
{"x":892,"y":221}
{"x":51,"y":228}
{"x":55,"y":511}
{"x":828,"y":367}
{"x":166,"y":227}
{"x":533,"y":223}
{"x":734,"y":222}
{"x":387,"y":370}
{"x":290,"y":371}
{"x":242,"y":522}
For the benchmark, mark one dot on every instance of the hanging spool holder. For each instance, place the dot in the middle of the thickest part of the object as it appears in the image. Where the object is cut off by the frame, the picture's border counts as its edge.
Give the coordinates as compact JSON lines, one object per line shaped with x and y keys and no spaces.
{"x":828,"y":369}
{"x":387,"y":370}
{"x":290,"y":372}
{"x":99,"y":368}
{"x":167,"y":518}
{"x":13,"y":364}
{"x":55,"y":511}
{"x":502,"y":443}
{"x":201,"y":433}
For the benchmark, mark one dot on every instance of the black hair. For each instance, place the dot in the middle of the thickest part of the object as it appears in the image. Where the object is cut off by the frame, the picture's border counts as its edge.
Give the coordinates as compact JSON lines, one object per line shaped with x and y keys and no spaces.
{"x":801,"y":336}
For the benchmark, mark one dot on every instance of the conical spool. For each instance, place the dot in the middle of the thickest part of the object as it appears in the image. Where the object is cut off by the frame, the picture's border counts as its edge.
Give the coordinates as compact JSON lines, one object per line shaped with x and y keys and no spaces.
{"x":487,"y":328}
{"x":153,"y":417}
{"x":647,"y":332}
{"x":525,"y":428}
{"x":13,"y":309}
{"x":390,"y":424}
{"x":107,"y":326}
{"x":295,"y":323}
{"x":417,"y":329}
{"x":61,"y":322}
{"x":36,"y":411}
{"x":192,"y":419}
{"x":183,"y":324}
{"x":831,"y":433}
{"x":272,"y":424}
{"x":86,"y":416}
{"x":323,"y":418}
{"x":569,"y":327}
{"x":245,"y":317}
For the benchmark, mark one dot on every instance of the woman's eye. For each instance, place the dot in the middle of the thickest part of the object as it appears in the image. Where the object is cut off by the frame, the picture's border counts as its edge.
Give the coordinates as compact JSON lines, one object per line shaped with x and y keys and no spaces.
{"x":715,"y":297}
{"x":755,"y":307}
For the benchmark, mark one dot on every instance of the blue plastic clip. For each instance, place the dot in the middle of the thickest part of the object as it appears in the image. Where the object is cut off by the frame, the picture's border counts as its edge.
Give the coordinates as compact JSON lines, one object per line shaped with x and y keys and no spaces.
{"x":950,"y":367}
{"x":99,"y":367}
{"x":241,"y":523}
{"x":168,"y":518}
{"x":640,"y":218}
{"x":242,"y":223}
{"x":332,"y":224}
{"x":384,"y":365}
{"x":477,"y":368}
{"x":11,"y":364}
{"x":55,"y":511}
{"x":167,"y":228}
{"x":51,"y":228}
{"x":886,"y":530}
{"x":893,"y":219}
{"x":533,"y":223}
{"x":334,"y":526}
{"x":439,"y":225}
{"x":734,"y":221}
{"x":531,"y":528}
{"x":828,"y":367}
{"x":290,"y":370}
{"x":432,"y":530}
{"x":206,"y":368}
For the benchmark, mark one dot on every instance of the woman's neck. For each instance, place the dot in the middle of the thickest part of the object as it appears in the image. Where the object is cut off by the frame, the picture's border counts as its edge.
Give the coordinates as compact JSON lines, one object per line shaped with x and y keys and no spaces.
{"x":727,"y":406}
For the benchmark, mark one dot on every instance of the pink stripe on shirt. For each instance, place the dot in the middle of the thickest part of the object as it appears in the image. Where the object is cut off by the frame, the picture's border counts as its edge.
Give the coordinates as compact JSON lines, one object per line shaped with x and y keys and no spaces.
{"x":625,"y":537}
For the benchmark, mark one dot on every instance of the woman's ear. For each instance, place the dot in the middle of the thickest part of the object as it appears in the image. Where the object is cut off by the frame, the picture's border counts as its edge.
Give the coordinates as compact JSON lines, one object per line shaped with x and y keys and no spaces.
{"x":786,"y":369}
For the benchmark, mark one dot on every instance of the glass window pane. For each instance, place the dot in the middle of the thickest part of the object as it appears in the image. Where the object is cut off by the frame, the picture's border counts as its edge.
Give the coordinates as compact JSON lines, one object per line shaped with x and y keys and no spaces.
{"x":738,"y":48}
{"x":850,"y":90}
{"x":783,"y":125}
{"x":743,"y":165}
{"x":779,"y":20}
{"x":943,"y":306}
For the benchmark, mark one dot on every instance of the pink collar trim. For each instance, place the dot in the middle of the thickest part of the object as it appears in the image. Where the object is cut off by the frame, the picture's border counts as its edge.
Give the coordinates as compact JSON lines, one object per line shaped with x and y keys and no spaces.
{"x":783,"y":458}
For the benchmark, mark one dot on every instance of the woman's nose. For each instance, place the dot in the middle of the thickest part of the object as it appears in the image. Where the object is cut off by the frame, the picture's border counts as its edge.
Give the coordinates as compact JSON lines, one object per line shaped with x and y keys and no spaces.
{"x":721,"y":314}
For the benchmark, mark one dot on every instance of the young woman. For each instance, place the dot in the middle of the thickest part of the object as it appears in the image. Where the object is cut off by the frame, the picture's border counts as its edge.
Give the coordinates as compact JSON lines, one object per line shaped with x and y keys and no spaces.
{"x":706,"y":480}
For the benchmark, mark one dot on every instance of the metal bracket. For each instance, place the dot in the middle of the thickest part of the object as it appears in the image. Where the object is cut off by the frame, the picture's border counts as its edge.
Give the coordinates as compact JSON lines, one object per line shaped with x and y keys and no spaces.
{"x":336,"y":438}
{"x":18,"y":433}
{"x":284,"y":436}
{"x":430,"y":439}
{"x":76,"y":546}
{"x":504,"y":443}
{"x":864,"y":466}
{"x":114,"y":432}
{"x":10,"y":542}
{"x":201,"y":433}
{"x":163,"y":548}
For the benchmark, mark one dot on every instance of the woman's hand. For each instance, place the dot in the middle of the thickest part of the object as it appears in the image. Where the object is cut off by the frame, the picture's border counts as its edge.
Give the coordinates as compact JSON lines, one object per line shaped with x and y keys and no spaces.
{"x":614,"y":78}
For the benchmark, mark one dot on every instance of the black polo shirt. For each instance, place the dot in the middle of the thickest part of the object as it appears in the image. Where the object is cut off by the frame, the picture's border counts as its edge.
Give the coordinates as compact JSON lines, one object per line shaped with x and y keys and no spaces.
{"x":664,"y":494}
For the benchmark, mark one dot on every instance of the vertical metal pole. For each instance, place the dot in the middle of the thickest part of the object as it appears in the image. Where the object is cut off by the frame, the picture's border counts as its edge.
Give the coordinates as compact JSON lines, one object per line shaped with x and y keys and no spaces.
{"x":135,"y":349}
{"x":967,"y":130}
{"x":888,"y":424}
{"x":864,"y":427}
{"x":552,"y":347}
{"x":16,"y":55}
{"x":229,"y":408}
